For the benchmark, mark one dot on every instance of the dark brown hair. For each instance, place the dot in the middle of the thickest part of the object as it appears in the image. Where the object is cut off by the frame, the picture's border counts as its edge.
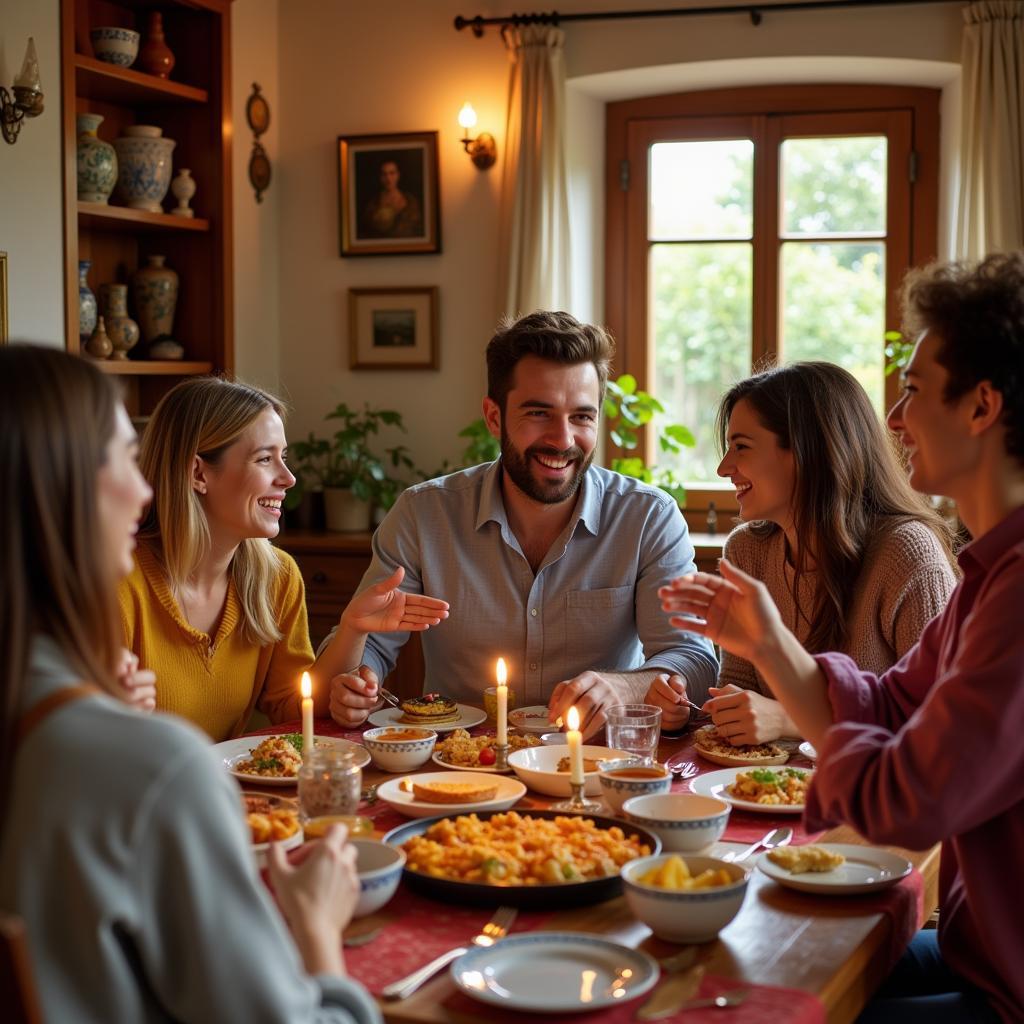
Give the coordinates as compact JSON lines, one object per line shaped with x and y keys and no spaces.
{"x":849,"y":483}
{"x":57,"y":416}
{"x":977,"y":312}
{"x":558,"y":337}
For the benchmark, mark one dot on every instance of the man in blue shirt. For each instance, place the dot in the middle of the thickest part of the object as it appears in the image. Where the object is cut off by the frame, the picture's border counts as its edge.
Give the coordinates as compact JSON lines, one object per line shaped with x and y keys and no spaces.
{"x":545,"y":559}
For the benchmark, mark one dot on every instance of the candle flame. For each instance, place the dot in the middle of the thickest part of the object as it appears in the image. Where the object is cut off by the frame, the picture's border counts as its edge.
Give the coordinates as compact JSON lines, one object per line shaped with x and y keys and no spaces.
{"x":306,"y":688}
{"x":572,"y":719}
{"x":502,"y":672}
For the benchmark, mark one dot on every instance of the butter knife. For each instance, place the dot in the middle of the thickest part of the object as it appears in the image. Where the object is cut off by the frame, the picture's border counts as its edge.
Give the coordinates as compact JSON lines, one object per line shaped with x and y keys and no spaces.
{"x":669,"y":996}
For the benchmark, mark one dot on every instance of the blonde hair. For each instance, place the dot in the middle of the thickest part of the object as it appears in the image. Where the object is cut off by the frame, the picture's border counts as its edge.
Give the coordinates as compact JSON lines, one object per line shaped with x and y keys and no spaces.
{"x":204,"y":416}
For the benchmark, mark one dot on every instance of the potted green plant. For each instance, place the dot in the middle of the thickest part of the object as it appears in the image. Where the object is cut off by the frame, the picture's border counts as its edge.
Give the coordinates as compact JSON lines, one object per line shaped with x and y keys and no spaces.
{"x":628,"y":410}
{"x":352,"y":475}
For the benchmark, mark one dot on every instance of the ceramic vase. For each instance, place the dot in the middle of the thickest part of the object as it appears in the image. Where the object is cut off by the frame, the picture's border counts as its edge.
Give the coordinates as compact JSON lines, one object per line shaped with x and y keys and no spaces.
{"x":97,"y":161}
{"x":154,"y":296}
{"x":183,"y":188}
{"x":87,"y":309}
{"x":99,"y":346}
{"x":144,"y":167}
{"x":155,"y":55}
{"x":122,"y":330}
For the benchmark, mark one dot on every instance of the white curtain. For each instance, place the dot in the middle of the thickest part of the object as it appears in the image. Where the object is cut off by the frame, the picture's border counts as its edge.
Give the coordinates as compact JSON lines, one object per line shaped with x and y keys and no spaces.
{"x":990,"y":214}
{"x":534,"y":224}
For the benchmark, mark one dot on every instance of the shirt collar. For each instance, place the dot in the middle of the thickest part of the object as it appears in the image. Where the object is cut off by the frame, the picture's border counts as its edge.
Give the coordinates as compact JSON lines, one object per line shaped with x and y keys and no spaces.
{"x":587,"y":511}
{"x":984,"y":552}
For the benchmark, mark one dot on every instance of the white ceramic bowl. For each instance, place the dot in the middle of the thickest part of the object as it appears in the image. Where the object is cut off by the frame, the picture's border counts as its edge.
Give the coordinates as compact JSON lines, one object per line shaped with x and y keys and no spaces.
{"x":398,"y":755}
{"x":684,"y":822}
{"x":538,"y":768}
{"x":380,"y":871}
{"x":618,"y":786}
{"x":254,"y":802}
{"x":678,"y":915}
{"x":113,"y":45}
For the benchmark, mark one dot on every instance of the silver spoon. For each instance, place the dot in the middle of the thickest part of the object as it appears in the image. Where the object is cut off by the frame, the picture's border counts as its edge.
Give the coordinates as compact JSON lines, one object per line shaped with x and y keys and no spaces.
{"x":777,"y":837}
{"x":731,"y":998}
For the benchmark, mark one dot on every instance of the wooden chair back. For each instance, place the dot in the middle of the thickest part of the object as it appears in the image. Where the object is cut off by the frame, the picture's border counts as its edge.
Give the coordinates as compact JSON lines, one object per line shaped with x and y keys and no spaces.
{"x":19,"y":1003}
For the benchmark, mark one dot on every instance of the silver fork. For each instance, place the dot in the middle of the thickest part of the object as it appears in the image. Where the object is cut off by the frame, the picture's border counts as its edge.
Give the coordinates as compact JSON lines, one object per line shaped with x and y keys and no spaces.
{"x":388,"y":697}
{"x":495,"y":929}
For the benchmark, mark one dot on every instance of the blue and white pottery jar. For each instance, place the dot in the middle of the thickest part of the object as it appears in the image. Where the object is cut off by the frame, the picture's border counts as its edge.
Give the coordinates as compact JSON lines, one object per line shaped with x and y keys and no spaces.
{"x":97,"y":161}
{"x":144,"y":162}
{"x":154,"y":295}
{"x":87,"y":309}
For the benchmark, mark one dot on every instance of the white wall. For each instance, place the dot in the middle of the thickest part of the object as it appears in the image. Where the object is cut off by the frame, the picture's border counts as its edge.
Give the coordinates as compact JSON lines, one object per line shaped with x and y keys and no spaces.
{"x":31,"y":224}
{"x":257,"y":226}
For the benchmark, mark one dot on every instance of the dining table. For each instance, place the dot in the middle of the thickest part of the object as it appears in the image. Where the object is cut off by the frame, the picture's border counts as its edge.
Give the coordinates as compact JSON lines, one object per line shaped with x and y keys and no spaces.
{"x":803,"y":957}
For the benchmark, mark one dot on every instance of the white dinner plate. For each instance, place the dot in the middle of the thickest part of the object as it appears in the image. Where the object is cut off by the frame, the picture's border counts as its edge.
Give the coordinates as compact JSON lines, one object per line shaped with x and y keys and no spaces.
{"x":468,"y":717}
{"x":714,"y":783}
{"x":486,"y":768}
{"x":867,"y":869}
{"x":807,"y":749}
{"x":531,"y":719}
{"x":391,"y":792}
{"x":555,"y":972}
{"x":231,"y":752}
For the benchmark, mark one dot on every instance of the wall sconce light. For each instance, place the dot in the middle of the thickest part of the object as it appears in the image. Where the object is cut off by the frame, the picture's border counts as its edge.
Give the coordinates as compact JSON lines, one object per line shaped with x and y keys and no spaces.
{"x":27,"y":99}
{"x":482,"y":150}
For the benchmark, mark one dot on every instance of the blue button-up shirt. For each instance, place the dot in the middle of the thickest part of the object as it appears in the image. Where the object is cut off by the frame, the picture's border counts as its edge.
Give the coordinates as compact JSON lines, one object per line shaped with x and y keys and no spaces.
{"x":592,"y":604}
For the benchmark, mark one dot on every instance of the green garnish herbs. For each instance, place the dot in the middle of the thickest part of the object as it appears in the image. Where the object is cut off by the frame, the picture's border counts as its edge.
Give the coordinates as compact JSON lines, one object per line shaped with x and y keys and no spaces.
{"x":295,"y":739}
{"x":272,"y":764}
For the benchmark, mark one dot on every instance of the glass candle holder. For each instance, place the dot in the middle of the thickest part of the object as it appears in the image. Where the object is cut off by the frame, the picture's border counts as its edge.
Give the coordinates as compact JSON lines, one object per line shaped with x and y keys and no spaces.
{"x":329,"y":784}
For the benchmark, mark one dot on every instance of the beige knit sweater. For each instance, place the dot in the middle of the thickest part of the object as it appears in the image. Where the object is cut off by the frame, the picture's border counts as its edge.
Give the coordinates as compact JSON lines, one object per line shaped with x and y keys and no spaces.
{"x":905,"y":580}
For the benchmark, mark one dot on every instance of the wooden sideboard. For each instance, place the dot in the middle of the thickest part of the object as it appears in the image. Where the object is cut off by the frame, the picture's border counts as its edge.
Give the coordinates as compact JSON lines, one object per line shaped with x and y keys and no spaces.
{"x":333,"y":564}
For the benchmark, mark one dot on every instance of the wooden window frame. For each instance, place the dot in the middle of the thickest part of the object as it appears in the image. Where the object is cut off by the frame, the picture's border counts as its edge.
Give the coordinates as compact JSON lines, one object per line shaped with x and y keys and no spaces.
{"x":631,"y":126}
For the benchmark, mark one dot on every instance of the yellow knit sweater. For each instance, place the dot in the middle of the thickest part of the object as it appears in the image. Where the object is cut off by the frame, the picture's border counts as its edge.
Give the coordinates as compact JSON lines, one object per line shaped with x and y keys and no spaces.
{"x":216,"y":682}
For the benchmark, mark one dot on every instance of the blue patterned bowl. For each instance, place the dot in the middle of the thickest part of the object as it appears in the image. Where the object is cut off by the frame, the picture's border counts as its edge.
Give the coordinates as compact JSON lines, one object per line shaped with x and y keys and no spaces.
{"x":627,"y":777}
{"x":393,"y":754}
{"x":380,"y":871}
{"x":684,"y":915}
{"x":684,"y":822}
{"x":118,"y":46}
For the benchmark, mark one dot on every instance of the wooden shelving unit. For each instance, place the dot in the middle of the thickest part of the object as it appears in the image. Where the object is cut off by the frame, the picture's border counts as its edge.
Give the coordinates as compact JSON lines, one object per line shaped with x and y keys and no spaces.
{"x":193,"y":107}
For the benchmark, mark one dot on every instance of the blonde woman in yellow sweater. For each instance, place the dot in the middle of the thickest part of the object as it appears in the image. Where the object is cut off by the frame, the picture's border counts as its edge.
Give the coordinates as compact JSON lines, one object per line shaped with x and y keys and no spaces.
{"x":855,"y":559}
{"x":210,"y":606}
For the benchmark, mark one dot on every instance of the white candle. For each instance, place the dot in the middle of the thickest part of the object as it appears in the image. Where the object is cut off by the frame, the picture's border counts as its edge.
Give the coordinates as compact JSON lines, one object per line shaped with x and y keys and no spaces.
{"x":307,"y":715}
{"x":502,"y":701}
{"x":575,"y":741}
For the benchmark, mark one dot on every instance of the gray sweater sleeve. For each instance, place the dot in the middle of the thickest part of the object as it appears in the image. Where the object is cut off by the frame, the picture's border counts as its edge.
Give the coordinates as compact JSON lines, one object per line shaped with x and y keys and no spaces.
{"x":209,"y":942}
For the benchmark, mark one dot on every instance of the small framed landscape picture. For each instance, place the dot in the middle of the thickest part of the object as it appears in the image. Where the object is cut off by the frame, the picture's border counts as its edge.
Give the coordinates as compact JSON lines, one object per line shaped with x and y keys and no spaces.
{"x":388,"y":194}
{"x":392,"y":328}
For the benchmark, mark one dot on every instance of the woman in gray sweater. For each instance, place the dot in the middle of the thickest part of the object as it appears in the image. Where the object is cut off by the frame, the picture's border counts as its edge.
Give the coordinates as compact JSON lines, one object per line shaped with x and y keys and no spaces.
{"x":123,"y":844}
{"x":855,"y":559}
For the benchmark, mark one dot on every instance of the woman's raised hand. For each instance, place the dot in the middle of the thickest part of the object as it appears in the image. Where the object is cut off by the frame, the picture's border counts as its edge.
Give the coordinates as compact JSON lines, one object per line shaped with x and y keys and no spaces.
{"x":733,"y":610}
{"x":383,"y":608}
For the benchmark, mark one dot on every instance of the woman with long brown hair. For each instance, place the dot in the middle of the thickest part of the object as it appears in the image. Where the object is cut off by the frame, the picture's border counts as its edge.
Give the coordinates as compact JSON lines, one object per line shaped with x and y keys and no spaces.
{"x":123,"y":847}
{"x":854,"y":558}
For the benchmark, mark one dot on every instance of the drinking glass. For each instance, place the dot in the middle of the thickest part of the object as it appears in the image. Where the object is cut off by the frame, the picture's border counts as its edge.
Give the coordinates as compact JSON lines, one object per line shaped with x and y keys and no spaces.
{"x":491,"y":701}
{"x":635,"y":728}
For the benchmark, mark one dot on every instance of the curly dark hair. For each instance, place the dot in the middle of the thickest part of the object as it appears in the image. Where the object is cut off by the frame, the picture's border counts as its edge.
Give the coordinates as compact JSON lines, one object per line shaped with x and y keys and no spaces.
{"x":558,"y":337}
{"x":977,"y":312}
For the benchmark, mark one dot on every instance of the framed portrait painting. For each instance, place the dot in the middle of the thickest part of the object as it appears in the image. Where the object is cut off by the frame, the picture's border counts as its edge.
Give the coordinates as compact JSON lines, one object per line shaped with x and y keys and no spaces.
{"x":392,"y":328}
{"x":388,"y":194}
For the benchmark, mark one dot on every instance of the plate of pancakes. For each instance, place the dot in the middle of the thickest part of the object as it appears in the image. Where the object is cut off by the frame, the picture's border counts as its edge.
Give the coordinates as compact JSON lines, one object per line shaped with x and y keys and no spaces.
{"x":715,"y":748}
{"x":432,"y":711}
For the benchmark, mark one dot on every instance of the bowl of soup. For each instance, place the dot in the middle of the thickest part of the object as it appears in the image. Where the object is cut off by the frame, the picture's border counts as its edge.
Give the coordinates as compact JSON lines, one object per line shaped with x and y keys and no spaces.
{"x":627,"y":777}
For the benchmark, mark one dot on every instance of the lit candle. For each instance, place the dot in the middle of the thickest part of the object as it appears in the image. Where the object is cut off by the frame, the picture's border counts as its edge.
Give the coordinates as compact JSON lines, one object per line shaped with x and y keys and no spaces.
{"x":307,"y":715}
{"x":575,"y":741}
{"x":502,"y":701}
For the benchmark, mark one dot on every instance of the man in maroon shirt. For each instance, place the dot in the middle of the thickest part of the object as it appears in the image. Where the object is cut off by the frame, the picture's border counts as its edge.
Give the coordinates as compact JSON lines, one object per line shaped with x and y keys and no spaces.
{"x":931,"y":751}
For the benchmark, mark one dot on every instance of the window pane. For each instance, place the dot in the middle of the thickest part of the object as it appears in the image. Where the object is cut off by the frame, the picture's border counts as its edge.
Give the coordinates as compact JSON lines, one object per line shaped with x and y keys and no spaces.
{"x":833,"y":308}
{"x":834,"y":186}
{"x":701,"y":190}
{"x":700,"y":315}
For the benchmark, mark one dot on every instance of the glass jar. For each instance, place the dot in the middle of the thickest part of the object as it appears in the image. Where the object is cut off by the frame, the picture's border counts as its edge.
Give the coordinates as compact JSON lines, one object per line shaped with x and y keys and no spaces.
{"x":329,"y":784}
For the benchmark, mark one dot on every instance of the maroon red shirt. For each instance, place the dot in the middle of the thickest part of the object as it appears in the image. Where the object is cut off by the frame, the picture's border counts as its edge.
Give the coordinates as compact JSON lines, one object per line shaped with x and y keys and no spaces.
{"x":933,"y":751}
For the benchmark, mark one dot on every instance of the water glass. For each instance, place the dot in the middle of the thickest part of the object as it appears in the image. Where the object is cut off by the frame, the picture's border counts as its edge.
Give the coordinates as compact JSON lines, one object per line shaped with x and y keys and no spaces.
{"x":329,"y":784}
{"x":491,"y":701}
{"x":635,"y":728}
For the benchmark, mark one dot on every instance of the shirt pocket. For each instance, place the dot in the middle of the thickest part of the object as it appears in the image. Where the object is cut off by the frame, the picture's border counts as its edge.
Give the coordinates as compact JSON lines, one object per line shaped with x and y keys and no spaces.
{"x":600,"y":628}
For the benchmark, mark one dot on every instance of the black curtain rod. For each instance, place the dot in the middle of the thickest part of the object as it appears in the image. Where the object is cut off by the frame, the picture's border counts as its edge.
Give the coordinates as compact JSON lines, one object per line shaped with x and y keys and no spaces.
{"x":755,"y":12}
